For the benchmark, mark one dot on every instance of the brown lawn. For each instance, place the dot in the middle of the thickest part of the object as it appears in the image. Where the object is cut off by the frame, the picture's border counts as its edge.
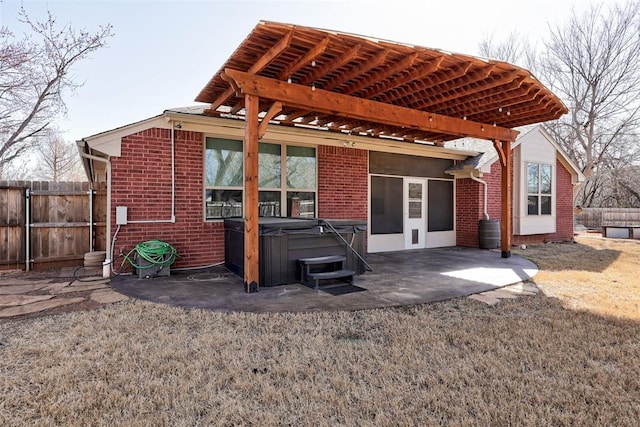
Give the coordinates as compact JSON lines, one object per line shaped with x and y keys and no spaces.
{"x":596,"y":274}
{"x":531,"y":361}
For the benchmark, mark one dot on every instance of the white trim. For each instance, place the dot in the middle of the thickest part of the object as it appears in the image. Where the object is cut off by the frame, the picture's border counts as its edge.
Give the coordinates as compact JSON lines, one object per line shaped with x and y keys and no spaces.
{"x":110,"y":142}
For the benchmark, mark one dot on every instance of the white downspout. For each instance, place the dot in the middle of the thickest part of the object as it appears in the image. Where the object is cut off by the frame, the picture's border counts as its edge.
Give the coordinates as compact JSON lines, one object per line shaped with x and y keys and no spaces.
{"x":27,"y":226}
{"x":484,"y":183}
{"x":173,"y":186}
{"x":106,"y":267}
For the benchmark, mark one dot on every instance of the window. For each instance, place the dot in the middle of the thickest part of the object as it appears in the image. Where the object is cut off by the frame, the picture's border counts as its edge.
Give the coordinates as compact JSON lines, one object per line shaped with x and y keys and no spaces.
{"x":538,"y":189}
{"x":286,"y":178}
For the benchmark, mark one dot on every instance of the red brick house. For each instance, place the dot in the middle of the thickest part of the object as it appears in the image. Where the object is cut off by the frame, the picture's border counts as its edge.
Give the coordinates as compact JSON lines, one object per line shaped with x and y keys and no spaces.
{"x":391,"y":156}
{"x":358,"y":178}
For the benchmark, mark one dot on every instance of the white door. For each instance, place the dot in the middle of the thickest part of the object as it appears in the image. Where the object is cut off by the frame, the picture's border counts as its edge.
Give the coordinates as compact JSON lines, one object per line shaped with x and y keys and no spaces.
{"x":414,"y":213}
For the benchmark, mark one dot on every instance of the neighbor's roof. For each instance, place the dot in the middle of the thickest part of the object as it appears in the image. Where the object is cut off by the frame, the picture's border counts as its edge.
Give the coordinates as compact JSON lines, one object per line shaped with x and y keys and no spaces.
{"x":429,"y":80}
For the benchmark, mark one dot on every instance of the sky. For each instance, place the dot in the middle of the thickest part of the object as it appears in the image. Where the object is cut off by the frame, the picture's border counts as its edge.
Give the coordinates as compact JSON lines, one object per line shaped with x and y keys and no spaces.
{"x":163,"y":52}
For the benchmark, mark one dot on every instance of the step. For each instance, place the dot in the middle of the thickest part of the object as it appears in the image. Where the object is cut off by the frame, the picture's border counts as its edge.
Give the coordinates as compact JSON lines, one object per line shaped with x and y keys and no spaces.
{"x":337,"y":274}
{"x":322,"y":260}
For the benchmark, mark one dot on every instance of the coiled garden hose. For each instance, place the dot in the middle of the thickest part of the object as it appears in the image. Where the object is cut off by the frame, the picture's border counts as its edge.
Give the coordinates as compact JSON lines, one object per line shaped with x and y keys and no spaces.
{"x":155,"y":252}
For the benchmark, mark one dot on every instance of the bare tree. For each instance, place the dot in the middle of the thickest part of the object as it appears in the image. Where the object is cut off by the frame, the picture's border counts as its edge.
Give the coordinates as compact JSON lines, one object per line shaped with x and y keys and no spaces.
{"x":592,"y":62}
{"x":514,"y":49}
{"x":35,"y":72}
{"x":57,"y":159}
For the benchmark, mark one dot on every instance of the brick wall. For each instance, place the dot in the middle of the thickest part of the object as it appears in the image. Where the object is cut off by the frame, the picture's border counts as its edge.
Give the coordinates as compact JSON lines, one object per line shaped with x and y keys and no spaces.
{"x":469,"y":206}
{"x":142,"y":182}
{"x":342,"y":183}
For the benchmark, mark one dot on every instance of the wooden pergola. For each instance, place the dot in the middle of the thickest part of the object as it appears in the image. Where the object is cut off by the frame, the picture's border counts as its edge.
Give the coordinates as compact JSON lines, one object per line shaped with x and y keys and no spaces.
{"x":338,"y":82}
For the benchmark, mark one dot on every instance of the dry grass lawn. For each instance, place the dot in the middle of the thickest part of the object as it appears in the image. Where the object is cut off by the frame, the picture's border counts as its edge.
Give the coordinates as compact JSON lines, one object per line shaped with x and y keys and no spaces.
{"x":599,"y":275}
{"x":528,"y":361}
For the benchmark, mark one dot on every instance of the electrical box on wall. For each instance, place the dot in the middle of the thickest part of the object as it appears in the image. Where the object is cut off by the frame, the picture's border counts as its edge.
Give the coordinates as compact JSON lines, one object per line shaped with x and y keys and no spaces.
{"x":121,"y":215}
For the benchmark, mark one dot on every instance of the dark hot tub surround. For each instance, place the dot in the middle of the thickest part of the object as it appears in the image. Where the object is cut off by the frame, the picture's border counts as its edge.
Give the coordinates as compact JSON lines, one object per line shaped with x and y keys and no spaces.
{"x":284,"y":241}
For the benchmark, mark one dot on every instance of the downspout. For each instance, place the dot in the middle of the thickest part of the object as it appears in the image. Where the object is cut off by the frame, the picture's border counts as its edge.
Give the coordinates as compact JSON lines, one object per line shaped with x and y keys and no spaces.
{"x":173,"y":185}
{"x":484,"y":184}
{"x":91,"y":246}
{"x":106,"y":267}
{"x":27,"y":227}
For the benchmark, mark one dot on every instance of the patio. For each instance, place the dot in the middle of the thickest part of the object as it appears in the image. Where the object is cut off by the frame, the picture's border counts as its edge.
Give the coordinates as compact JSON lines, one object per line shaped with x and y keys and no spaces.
{"x":398,"y":279}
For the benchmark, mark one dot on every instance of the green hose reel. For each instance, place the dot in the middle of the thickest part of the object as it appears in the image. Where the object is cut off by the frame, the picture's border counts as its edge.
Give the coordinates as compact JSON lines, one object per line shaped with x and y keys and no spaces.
{"x":156,"y":253}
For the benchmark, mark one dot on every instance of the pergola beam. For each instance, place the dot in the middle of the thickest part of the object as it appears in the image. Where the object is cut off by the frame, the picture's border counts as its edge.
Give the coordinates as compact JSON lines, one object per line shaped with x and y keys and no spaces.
{"x":257,"y":66}
{"x":506,"y":162}
{"x":322,"y":101}
{"x":250,"y":197}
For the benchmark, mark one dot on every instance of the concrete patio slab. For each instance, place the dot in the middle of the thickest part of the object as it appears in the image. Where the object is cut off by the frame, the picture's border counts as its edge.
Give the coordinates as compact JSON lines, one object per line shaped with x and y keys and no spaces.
{"x":398,"y":278}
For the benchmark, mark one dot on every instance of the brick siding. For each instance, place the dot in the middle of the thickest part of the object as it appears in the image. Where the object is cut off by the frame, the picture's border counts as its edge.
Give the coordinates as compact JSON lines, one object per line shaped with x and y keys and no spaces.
{"x":342,"y":183}
{"x":142,"y":181}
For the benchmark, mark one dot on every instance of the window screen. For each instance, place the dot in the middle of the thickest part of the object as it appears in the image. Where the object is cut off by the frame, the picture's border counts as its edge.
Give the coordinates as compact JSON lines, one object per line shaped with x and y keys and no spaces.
{"x":440,"y":206}
{"x":386,"y":205}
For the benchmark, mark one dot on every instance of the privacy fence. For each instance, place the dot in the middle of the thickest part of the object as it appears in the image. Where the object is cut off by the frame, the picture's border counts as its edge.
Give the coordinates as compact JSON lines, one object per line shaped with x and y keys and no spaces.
{"x":50,"y":224}
{"x":593,"y":218}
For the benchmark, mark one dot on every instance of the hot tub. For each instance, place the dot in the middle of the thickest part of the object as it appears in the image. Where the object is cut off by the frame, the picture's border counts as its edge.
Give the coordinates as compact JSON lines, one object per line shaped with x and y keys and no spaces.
{"x":283,"y":241}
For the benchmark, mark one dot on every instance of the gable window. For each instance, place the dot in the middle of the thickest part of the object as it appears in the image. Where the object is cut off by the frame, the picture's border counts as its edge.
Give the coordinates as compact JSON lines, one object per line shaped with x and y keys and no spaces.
{"x":539,"y":189}
{"x":286,"y":179}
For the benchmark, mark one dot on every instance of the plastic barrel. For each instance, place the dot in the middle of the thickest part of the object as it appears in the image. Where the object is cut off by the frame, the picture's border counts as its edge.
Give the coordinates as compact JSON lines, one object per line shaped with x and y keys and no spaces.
{"x":489,"y":233}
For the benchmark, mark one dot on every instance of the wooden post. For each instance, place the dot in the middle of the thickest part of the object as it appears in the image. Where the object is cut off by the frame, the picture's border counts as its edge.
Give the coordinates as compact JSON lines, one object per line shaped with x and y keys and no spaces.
{"x":505,"y":225}
{"x":250,"y":196}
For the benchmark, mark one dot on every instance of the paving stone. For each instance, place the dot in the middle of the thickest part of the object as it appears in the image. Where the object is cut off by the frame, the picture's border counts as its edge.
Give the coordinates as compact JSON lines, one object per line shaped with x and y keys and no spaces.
{"x":38,"y":306}
{"x":517,"y":290}
{"x":525,"y":287}
{"x":14,"y":282}
{"x":91,"y":281}
{"x":21,"y":289}
{"x":487,"y":299}
{"x":502,"y":294}
{"x":107,"y":296}
{"x":13,"y":300}
{"x":69,"y":289}
{"x":55,"y":286}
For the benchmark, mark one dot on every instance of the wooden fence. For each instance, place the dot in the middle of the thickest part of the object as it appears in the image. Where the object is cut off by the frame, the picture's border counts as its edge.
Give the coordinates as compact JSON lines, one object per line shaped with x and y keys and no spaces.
{"x":592,"y":218}
{"x":48,"y":224}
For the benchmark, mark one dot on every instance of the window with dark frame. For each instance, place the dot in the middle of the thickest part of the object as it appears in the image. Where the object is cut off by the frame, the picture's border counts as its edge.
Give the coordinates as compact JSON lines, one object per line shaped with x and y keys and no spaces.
{"x":286,"y":179}
{"x":539,"y":197}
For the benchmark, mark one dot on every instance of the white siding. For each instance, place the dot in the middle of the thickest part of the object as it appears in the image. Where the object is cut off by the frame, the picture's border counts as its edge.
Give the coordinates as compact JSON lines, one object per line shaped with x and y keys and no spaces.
{"x":534,"y":148}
